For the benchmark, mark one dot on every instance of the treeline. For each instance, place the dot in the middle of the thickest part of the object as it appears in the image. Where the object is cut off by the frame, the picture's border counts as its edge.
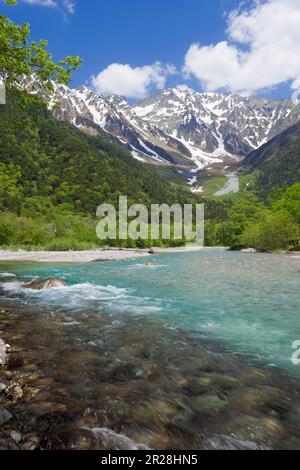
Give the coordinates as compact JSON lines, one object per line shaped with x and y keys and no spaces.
{"x":243,"y":221}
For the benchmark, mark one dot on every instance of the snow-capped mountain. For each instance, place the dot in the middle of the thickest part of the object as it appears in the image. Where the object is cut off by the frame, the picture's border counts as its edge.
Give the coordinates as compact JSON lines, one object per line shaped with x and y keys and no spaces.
{"x":113,"y":117}
{"x":177,"y":127}
{"x":217,"y":123}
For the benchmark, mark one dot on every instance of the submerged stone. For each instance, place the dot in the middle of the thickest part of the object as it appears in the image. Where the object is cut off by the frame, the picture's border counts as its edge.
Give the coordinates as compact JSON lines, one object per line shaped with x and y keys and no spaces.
{"x":257,"y":398}
{"x":265,"y":431}
{"x":5,"y":416}
{"x":31,"y":444}
{"x":213,"y":381}
{"x":156,"y":411}
{"x":16,"y":436}
{"x":15,"y":362}
{"x":209,"y":404}
{"x":14,"y":392}
{"x":231,"y":443}
{"x":7,"y":374}
{"x":252,"y":376}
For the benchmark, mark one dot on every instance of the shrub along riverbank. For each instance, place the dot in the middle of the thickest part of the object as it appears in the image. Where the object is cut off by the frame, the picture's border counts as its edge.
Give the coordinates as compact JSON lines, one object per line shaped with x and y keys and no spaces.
{"x":237,"y":221}
{"x":242,"y":220}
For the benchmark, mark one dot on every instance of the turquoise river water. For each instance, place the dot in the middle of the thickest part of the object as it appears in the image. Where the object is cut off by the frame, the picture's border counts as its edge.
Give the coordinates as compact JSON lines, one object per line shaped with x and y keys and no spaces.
{"x":251,"y":301}
{"x":243,"y":307}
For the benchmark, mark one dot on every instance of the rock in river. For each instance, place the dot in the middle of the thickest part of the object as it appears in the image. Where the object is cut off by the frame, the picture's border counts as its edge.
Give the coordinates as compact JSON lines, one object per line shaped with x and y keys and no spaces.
{"x":5,"y":416}
{"x":15,"y":362}
{"x":14,"y":392}
{"x":16,"y":436}
{"x":39,"y":284}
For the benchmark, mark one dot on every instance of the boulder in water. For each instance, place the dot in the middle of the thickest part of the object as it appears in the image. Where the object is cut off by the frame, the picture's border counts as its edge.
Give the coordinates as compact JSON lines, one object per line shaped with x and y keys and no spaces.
{"x":51,"y":283}
{"x":40,"y":284}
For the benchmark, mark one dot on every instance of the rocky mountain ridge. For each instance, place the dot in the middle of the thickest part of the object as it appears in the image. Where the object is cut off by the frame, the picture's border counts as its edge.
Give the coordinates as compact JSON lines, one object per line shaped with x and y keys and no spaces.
{"x":178,"y":127}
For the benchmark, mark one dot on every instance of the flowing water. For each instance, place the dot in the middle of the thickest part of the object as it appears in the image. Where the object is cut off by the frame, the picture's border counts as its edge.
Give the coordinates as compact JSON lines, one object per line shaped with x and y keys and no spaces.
{"x":231,"y":186}
{"x":193,"y":351}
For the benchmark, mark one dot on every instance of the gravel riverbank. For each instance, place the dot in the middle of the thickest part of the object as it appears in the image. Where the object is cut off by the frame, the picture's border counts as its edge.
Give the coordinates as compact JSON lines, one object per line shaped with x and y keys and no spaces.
{"x":87,"y":256}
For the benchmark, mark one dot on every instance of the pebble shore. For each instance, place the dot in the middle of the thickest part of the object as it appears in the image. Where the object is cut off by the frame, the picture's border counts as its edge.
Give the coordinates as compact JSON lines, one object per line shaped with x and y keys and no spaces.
{"x":88,"y":256}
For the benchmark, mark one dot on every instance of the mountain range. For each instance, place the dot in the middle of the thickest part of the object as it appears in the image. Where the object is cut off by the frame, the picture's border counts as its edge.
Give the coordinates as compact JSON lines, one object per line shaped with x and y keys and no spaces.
{"x":179,"y":128}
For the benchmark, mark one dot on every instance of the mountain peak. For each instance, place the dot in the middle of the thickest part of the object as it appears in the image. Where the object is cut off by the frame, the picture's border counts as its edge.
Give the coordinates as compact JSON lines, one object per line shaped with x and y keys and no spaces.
{"x":117,"y":100}
{"x":83,"y":89}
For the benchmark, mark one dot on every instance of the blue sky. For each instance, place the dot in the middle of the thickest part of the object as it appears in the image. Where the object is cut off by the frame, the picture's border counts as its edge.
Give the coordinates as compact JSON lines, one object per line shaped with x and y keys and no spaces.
{"x":142,"y":33}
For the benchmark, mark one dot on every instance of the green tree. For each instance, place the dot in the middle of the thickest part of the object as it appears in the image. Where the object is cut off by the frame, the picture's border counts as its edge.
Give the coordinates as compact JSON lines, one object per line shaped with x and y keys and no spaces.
{"x":9,"y":190}
{"x":290,"y":201}
{"x":278,"y":231}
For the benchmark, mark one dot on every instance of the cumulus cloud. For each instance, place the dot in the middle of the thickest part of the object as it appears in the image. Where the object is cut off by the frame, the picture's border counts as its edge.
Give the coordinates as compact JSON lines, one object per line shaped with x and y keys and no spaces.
{"x":132,"y":82}
{"x":262,"y":50}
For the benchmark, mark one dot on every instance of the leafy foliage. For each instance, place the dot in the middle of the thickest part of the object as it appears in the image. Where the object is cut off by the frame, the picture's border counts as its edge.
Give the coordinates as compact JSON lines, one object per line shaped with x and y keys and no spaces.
{"x":243,"y":221}
{"x":277,"y":231}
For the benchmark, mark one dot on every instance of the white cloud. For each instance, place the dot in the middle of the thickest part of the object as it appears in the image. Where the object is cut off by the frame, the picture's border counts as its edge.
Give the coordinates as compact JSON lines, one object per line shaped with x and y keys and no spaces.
{"x":67,"y":5}
{"x":43,"y":3}
{"x":262,"y":50}
{"x":132,"y":82}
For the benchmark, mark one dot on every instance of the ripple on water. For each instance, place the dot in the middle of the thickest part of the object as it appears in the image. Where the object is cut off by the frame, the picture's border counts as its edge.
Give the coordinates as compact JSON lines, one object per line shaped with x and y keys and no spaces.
{"x":76,"y":297}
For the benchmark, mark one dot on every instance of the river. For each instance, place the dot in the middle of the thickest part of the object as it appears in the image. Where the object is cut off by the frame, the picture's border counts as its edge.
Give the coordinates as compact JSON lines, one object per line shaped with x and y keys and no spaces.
{"x":192,"y":352}
{"x":231,"y":186}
